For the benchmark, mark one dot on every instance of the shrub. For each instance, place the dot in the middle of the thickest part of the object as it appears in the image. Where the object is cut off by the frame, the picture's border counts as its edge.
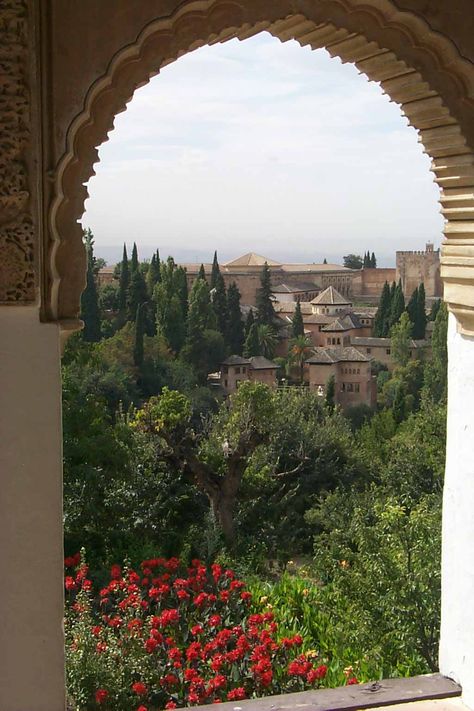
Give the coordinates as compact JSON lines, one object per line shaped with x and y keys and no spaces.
{"x":169,"y":636}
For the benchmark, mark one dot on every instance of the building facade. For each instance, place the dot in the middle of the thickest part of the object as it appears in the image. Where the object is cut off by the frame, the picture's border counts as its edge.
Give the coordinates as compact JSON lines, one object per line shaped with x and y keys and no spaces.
{"x":351,"y":370}
{"x":414,"y":268}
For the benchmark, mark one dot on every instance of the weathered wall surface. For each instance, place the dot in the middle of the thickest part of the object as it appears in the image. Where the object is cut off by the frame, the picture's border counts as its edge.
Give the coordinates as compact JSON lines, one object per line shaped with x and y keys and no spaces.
{"x":413,"y":268}
{"x":369,"y":282}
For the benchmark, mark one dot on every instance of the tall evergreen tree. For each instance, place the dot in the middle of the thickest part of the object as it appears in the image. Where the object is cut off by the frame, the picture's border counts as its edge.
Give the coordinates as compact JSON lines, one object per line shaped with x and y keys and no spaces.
{"x":90,"y":313}
{"x":297,"y":325}
{"x":265,"y":310}
{"x":382,"y":317}
{"x":139,"y":335}
{"x":325,"y":261}
{"x":436,"y":370}
{"x":219,"y":304}
{"x":202,"y":272}
{"x":201,"y":321}
{"x":419,"y":328}
{"x":153,"y":274}
{"x":400,"y":340}
{"x":252,"y":342}
{"x":215,"y":273}
{"x":124,"y":282}
{"x":250,"y":320}
{"x":137,"y":291}
{"x":373,"y":261}
{"x":235,"y":326}
{"x":412,"y":306}
{"x":330,"y":398}
{"x":435,"y":307}
{"x":171,"y":306}
{"x":134,"y":261}
{"x":398,"y":304}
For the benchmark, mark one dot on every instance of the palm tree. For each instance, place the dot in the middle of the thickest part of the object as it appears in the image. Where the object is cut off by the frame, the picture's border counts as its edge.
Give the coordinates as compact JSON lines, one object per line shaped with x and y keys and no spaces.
{"x":299,"y":351}
{"x":267,"y":340}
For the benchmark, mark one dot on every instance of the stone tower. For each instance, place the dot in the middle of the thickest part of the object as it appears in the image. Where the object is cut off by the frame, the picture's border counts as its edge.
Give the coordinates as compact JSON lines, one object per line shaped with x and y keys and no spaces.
{"x":416,"y":267}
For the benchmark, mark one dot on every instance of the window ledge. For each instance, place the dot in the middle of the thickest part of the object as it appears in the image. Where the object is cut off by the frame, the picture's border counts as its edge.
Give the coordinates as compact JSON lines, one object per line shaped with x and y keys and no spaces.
{"x":351,"y":698}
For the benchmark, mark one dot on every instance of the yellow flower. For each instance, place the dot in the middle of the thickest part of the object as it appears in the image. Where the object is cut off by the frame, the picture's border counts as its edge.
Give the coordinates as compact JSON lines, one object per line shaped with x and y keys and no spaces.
{"x":305,"y":592}
{"x":263,"y":599}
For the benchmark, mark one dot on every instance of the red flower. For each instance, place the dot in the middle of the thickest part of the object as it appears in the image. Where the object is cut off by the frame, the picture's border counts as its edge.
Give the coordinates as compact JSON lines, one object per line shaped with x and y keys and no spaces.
{"x":351,"y":680}
{"x":169,"y":705}
{"x":317,"y":674}
{"x":69,"y":583}
{"x":96,"y":630}
{"x":142,"y":708}
{"x":139,"y":688}
{"x":215,"y":620}
{"x":116,"y":572}
{"x":72,"y":561}
{"x":150,"y":645}
{"x":245,"y":596}
{"x":101,"y":695}
{"x":236,"y":694}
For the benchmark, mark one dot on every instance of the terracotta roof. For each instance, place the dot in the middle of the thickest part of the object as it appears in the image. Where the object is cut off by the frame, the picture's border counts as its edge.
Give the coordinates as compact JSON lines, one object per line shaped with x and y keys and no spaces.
{"x":344,"y":323}
{"x":252,"y":260}
{"x":331,"y":297}
{"x":236,"y":360}
{"x":261,"y":363}
{"x":327,"y":356}
{"x":317,"y":318}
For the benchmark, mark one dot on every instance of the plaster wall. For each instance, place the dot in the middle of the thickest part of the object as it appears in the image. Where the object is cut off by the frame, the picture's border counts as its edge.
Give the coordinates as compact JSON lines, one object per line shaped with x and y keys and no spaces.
{"x":457,"y":578}
{"x":369,"y":282}
{"x":31,"y":553}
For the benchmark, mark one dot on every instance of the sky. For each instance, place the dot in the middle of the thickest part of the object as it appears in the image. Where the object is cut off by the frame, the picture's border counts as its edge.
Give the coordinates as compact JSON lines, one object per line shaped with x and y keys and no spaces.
{"x":265,"y":147}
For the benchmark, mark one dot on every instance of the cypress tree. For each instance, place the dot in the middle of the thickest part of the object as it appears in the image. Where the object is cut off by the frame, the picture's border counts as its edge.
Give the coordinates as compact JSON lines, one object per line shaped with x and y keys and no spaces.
{"x":325,"y":261}
{"x":435,"y":307}
{"x":382,"y":317}
{"x":170,"y":298}
{"x":137,"y":291}
{"x":202,"y":272}
{"x":200,"y":319}
{"x":252,"y":342}
{"x":124,"y":282}
{"x":419,"y":328}
{"x":330,"y":398}
{"x":153,"y":274}
{"x":181,"y":282}
{"x":249,"y":322}
{"x":215,"y":273}
{"x":134,"y":262}
{"x":219,"y":304}
{"x":235,"y":326}
{"x":297,"y":325}
{"x":373,"y":261}
{"x":139,"y":334}
{"x":412,"y":306}
{"x":90,"y":313}
{"x":398,"y":304}
{"x":436,"y":371}
{"x":265,"y":310}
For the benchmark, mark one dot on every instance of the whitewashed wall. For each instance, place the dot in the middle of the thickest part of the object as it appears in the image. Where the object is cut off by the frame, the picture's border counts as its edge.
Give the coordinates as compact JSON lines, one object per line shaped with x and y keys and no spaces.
{"x":457,"y":613}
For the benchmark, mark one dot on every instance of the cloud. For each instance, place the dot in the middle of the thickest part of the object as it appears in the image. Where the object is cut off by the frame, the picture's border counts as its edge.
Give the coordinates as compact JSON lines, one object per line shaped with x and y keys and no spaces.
{"x":261,"y":145}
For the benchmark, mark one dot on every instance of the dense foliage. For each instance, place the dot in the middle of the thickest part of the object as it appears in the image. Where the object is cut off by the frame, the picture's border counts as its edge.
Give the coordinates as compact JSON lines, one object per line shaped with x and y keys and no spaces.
{"x":156,"y":463}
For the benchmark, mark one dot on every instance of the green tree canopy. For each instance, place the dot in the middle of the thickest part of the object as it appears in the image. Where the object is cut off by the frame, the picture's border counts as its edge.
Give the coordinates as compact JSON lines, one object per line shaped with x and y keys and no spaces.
{"x":353,"y":261}
{"x":235,"y":326}
{"x":382,"y":317}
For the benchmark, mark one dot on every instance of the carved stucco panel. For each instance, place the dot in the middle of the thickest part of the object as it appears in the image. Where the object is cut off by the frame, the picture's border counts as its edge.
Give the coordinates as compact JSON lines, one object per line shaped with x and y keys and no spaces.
{"x":17,"y":233}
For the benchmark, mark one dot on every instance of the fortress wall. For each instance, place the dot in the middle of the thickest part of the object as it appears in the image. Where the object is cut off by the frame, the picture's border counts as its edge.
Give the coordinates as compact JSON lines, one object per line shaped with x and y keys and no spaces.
{"x":369,"y":282}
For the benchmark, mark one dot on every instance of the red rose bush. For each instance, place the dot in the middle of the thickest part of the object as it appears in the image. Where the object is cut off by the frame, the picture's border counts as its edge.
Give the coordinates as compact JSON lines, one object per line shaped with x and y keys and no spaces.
{"x":166,"y":636}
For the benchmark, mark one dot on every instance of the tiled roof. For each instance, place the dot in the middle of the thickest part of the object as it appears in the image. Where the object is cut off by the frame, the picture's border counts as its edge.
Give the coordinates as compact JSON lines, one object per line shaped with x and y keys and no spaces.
{"x":236,"y":360}
{"x":327,"y":356}
{"x":317,"y":318}
{"x":252,"y":260}
{"x":331,"y":297}
{"x":344,"y":323}
{"x":370,"y":341}
{"x":291,"y":289}
{"x":261,"y":363}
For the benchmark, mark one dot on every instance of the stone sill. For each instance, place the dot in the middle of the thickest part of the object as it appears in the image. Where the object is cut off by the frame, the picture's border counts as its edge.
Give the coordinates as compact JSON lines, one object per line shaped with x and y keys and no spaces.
{"x":350,"y":698}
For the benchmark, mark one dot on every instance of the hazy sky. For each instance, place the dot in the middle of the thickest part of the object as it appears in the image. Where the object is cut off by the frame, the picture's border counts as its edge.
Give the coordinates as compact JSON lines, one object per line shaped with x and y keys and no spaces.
{"x":265,"y":147}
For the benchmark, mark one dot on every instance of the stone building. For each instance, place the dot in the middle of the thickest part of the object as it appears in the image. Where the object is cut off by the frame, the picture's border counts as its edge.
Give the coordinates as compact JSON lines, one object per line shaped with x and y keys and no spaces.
{"x":354,"y":384}
{"x":235,"y":369}
{"x":380,"y":349}
{"x":368,"y":283}
{"x":68,"y":68}
{"x":413,"y":268}
{"x":246,"y":271}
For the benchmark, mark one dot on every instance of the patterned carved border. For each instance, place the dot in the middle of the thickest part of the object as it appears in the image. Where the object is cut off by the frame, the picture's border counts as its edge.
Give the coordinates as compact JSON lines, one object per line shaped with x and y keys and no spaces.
{"x":17,"y":233}
{"x":418,"y":68}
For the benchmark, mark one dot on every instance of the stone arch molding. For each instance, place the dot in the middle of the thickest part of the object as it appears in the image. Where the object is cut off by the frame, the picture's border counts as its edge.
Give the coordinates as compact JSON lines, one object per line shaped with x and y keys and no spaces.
{"x":418,"y":68}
